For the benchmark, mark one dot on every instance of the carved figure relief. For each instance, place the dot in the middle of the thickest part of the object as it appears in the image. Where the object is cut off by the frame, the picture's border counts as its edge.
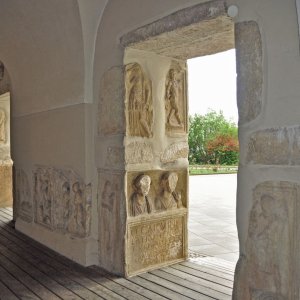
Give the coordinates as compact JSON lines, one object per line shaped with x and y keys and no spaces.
{"x":140,"y":203}
{"x":110,"y":235}
{"x":24,"y":206}
{"x":138,"y":153}
{"x":62,"y":201}
{"x":139,"y":110}
{"x":270,"y":248}
{"x":168,"y":197}
{"x":154,"y":192}
{"x":2,"y":126}
{"x":175,"y":99}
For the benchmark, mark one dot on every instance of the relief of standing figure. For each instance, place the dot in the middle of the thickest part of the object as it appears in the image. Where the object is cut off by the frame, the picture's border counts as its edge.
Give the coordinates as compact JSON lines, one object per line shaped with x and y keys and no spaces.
{"x":172,"y":90}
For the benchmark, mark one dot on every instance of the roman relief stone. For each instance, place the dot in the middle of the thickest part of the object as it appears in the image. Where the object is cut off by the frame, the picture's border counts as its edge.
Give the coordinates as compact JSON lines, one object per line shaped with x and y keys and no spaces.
{"x":174,"y":152}
{"x":62,"y":201}
{"x":249,"y":70}
{"x":158,"y":192}
{"x":138,"y":153}
{"x":154,"y":242}
{"x":24,"y":205}
{"x":2,"y":126}
{"x":111,"y":99}
{"x":275,"y":146}
{"x":111,"y":238}
{"x":175,"y":99}
{"x":139,"y":202}
{"x":6,"y":183}
{"x":267,"y":268}
{"x":138,"y":101}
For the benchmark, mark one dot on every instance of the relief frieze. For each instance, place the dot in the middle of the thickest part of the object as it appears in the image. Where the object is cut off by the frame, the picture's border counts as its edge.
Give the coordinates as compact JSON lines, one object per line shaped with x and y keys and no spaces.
{"x":62,"y":201}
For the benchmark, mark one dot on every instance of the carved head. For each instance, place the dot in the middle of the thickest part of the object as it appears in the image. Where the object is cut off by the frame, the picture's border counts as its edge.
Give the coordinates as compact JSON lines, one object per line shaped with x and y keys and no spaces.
{"x":66,"y":187}
{"x":267,"y":205}
{"x":142,"y":184}
{"x":169,"y":181}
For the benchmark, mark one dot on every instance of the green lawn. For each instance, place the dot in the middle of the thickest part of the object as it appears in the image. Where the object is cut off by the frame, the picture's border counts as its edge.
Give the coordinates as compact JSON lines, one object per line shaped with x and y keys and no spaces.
{"x":211,"y":169}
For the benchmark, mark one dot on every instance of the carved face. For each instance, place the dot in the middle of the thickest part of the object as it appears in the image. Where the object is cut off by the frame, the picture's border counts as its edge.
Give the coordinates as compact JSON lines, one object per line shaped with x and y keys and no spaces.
{"x":171,"y":182}
{"x":143,"y":185}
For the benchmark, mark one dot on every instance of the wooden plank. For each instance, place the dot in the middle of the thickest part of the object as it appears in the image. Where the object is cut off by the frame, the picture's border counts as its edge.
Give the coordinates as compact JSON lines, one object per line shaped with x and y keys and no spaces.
{"x":206,"y":287}
{"x":217,"y":262}
{"x":209,"y":270}
{"x":27,"y":280}
{"x":105,"y":282}
{"x":72,"y":282}
{"x":13,"y":284}
{"x":202,"y":281}
{"x":156,"y":288}
{"x":183,"y":293}
{"x":48,"y":282}
{"x":6,"y":293}
{"x":8,"y":211}
{"x":128,"y":284}
{"x":202,"y":275}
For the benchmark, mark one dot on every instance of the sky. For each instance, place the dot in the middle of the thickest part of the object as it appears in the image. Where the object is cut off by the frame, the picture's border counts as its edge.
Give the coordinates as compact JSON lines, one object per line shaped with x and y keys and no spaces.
{"x":212,"y":84}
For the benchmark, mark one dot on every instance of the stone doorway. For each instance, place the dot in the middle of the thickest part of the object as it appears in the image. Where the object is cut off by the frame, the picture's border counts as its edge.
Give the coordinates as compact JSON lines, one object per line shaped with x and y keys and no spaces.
{"x":154,"y":131}
{"x":156,"y":111}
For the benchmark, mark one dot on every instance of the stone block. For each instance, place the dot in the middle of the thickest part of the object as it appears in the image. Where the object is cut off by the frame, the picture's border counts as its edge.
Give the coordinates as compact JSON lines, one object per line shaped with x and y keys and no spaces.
{"x":275,"y":146}
{"x":249,"y":70}
{"x":270,"y":267}
{"x":6,"y":186}
{"x":111,"y":102}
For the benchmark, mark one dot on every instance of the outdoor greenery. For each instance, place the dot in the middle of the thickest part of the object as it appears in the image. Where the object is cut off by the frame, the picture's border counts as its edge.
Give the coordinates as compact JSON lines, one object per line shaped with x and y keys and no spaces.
{"x":213,"y":140}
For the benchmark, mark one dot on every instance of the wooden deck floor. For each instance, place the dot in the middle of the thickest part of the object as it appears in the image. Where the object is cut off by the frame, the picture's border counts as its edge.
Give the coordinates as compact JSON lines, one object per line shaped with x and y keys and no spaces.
{"x":29,"y":270}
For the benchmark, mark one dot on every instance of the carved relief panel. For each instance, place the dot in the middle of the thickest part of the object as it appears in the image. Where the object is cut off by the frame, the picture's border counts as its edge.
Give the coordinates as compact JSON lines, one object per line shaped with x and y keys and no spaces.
{"x":155,"y":242}
{"x":156,"y":232}
{"x":2,"y":126}
{"x":62,"y":201}
{"x":272,"y":245}
{"x":175,"y":99}
{"x":24,"y":205}
{"x":111,"y":201}
{"x":138,"y":101}
{"x":154,"y":192}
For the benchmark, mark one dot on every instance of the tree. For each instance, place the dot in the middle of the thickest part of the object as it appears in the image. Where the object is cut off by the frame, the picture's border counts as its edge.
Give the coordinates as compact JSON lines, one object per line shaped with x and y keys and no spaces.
{"x":204,"y":129}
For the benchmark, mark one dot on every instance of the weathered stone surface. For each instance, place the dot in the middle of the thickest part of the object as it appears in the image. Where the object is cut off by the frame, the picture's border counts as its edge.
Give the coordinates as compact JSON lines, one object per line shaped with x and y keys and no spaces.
{"x":154,"y":242}
{"x":174,"y":152}
{"x":157,"y":228}
{"x":206,"y":27}
{"x":175,"y":99}
{"x":138,"y":102}
{"x":268,"y":269}
{"x":138,"y":153}
{"x":169,"y":184}
{"x":111,"y":102}
{"x":4,"y":80}
{"x":24,"y":203}
{"x":275,"y":146}
{"x":2,"y":126}
{"x":111,"y":221}
{"x":62,"y":201}
{"x":249,"y":70}
{"x":115,"y":157}
{"x":5,"y":185}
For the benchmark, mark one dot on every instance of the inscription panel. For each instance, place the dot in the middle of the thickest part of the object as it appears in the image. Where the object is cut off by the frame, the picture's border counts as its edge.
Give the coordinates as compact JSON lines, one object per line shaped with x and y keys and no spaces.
{"x":155,"y":242}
